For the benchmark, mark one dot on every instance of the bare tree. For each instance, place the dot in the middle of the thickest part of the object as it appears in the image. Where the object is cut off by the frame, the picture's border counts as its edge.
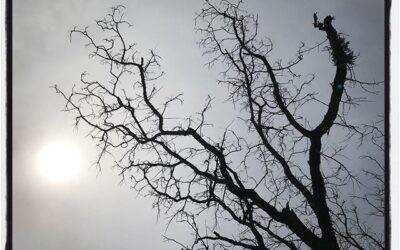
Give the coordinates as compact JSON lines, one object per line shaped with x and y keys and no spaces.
{"x":282,"y":183}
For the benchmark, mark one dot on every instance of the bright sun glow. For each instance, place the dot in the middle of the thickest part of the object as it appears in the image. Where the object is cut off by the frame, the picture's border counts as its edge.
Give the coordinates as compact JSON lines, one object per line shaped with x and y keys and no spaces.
{"x":59,"y":161}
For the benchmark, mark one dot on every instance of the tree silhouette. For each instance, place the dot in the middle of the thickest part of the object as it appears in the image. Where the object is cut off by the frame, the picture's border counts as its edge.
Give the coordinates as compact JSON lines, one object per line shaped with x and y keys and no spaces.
{"x":281,"y":184}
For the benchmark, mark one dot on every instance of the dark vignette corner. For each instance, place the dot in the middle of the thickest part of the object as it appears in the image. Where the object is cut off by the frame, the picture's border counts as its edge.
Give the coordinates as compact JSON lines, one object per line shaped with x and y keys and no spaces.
{"x":8,"y":43}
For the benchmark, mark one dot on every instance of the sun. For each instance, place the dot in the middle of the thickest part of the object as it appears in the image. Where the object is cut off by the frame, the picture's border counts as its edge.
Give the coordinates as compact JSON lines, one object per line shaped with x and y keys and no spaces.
{"x":59,"y":161}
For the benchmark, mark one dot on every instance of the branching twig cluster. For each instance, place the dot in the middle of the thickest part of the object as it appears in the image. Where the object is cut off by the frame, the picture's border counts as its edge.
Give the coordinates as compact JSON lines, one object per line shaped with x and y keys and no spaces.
{"x":280,"y":189}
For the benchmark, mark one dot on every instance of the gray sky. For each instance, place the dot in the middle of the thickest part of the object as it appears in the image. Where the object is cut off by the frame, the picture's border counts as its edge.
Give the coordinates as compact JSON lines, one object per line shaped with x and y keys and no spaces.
{"x":92,"y":211}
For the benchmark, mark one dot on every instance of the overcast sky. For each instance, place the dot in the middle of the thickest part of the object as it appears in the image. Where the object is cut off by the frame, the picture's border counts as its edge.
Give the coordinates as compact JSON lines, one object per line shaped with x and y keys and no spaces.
{"x":92,"y":211}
